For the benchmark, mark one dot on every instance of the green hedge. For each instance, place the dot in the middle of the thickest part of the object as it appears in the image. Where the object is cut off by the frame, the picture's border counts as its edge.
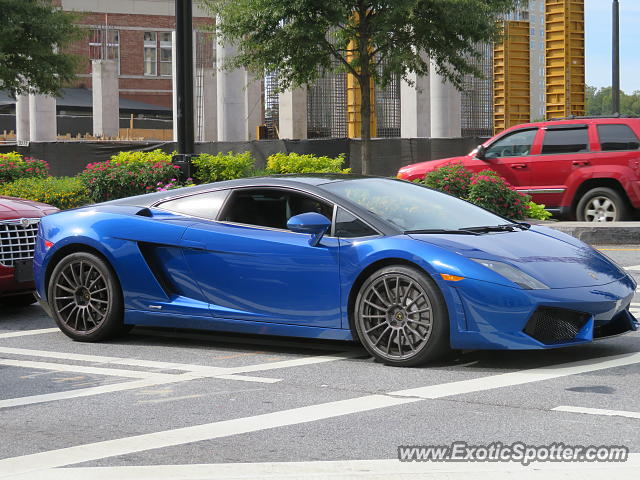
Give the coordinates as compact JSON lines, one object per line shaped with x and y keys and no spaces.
{"x":223,"y":166}
{"x":61,"y":192}
{"x":282,"y":163}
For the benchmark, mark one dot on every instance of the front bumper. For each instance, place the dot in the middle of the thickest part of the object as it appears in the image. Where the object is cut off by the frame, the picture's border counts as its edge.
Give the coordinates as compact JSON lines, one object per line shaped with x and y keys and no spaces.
{"x":8,"y":284}
{"x":491,"y":316}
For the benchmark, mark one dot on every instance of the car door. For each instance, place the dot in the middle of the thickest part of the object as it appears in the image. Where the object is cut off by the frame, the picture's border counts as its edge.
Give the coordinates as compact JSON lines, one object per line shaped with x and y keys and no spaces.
{"x":250,"y":267}
{"x":565,"y":147}
{"x":510,"y":156}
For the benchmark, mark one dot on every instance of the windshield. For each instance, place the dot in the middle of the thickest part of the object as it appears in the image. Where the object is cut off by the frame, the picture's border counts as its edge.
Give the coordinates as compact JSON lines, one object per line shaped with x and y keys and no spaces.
{"x":412,"y":207}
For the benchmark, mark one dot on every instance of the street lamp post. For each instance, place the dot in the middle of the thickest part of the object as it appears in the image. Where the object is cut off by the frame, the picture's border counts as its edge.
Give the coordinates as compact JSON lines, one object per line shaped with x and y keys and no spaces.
{"x":615,"y":90}
{"x":184,"y":85}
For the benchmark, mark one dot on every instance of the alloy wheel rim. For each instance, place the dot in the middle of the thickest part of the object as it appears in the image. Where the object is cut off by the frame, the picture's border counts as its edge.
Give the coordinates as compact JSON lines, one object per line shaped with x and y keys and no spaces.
{"x":600,"y":209}
{"x":81,"y":296}
{"x":395,"y":316}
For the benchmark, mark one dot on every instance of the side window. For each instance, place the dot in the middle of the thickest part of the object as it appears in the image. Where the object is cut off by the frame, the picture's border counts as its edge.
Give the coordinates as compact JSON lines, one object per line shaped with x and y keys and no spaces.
{"x":516,"y":144}
{"x":204,"y":205}
{"x":349,"y":226}
{"x":271,"y":207}
{"x":573,"y":140}
{"x":617,"y":137}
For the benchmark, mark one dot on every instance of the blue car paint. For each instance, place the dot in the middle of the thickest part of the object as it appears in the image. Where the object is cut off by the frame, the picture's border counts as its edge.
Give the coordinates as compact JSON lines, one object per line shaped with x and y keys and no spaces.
{"x":254,"y":280}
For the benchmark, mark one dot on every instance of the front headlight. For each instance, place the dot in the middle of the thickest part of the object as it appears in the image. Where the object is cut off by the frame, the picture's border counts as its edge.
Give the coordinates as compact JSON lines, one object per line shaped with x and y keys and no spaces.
{"x":511,"y":273}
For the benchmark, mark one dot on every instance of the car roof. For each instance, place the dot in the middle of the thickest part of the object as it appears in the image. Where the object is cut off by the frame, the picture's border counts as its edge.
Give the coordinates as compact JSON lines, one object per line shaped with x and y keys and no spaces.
{"x":576,"y":121}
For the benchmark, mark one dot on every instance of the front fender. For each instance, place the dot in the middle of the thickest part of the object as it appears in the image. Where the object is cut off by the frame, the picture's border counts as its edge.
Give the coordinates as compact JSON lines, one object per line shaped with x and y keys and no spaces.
{"x":623,"y":174}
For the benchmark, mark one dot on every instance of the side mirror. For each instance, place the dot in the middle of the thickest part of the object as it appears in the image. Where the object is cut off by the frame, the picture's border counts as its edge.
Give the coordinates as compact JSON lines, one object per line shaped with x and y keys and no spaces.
{"x":313,"y":223}
{"x":481,"y":152}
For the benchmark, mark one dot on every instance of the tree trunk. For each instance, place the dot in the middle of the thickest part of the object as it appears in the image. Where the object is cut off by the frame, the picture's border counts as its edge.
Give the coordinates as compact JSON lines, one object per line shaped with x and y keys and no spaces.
{"x":365,"y":125}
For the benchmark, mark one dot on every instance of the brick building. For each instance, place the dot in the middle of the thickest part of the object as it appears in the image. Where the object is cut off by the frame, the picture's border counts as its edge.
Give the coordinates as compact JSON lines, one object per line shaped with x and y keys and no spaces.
{"x":137,"y":34}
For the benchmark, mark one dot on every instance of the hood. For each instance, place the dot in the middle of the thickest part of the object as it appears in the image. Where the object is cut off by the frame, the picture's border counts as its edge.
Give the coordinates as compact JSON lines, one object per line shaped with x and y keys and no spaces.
{"x":11,"y":207}
{"x":419,"y":170}
{"x":537,"y":252}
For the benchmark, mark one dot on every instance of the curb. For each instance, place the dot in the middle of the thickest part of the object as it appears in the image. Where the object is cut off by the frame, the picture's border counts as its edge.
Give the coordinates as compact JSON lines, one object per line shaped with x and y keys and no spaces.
{"x":609,"y":233}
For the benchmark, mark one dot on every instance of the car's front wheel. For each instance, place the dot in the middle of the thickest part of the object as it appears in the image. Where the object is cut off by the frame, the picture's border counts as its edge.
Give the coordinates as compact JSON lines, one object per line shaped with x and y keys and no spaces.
{"x":85,"y":298}
{"x":401,"y":318}
{"x":602,"y":204}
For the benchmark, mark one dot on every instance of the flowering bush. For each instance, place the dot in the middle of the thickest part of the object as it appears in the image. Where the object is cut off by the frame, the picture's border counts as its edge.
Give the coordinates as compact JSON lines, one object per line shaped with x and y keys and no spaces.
{"x":13,"y":167}
{"x":61,"y":192}
{"x":111,"y":180}
{"x":296,"y":163}
{"x":489,"y":190}
{"x":223,"y":166}
{"x":453,"y":179}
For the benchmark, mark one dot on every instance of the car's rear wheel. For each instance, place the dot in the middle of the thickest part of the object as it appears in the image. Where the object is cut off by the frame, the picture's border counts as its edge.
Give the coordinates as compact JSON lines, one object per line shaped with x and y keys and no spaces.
{"x":602,"y":204}
{"x":85,"y":298}
{"x":401,"y":318}
{"x":19,"y":300}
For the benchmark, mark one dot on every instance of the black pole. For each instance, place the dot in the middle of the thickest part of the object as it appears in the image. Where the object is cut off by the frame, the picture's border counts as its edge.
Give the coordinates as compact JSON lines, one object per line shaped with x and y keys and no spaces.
{"x":615,"y":90}
{"x":184,"y":83}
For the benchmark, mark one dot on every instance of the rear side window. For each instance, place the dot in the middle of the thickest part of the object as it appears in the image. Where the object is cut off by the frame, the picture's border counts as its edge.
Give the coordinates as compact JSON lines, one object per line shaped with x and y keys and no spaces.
{"x":565,"y":141}
{"x":203,"y":205}
{"x":617,"y":137}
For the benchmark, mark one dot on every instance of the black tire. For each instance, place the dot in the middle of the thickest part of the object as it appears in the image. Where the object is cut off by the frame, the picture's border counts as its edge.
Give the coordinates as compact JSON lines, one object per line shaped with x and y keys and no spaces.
{"x":408,"y":308}
{"x":17,"y":301}
{"x":602,"y":204}
{"x":85,"y":298}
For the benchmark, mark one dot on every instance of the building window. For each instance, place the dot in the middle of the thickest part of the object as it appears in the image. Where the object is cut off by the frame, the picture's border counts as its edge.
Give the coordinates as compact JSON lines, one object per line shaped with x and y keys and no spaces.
{"x":104,"y":44}
{"x":165,"y":54}
{"x":150,"y":54}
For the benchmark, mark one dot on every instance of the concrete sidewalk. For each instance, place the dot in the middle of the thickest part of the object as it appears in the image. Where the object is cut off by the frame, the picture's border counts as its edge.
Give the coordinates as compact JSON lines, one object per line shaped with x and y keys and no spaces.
{"x":605,"y":233}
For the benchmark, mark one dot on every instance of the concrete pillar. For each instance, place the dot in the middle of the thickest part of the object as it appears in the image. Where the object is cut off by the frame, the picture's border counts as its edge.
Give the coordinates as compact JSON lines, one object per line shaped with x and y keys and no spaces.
{"x":22,"y":119}
{"x":446,"y":107}
{"x":239,"y":100}
{"x":292,"y":113}
{"x":174,"y":73}
{"x":415,"y":107}
{"x":206,"y":111}
{"x":42,"y":118}
{"x":106,"y":98}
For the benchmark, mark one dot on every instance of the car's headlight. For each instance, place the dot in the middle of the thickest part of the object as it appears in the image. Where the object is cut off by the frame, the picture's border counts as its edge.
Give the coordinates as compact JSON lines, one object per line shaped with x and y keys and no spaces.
{"x":511,"y":273}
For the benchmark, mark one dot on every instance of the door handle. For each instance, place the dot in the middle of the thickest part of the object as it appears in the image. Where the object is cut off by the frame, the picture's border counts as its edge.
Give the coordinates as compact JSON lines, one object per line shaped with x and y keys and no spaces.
{"x":519,"y":165}
{"x":581,"y":163}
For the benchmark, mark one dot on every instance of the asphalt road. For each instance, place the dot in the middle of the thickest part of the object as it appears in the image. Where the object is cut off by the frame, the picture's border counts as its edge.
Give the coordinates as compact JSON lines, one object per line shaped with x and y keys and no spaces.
{"x":164,"y":404}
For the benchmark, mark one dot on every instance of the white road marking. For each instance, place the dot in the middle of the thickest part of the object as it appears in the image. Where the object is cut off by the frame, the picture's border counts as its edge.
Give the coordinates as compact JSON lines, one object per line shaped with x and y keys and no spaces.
{"x":247,"y":378}
{"x":180,"y":436}
{"x":633,"y":267}
{"x":23,"y":333}
{"x":597,"y":411}
{"x":351,"y":469}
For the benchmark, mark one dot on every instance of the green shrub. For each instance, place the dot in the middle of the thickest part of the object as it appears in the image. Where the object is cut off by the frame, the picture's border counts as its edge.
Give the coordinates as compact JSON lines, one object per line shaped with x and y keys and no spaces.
{"x":13,"y":167}
{"x":137,"y":157}
{"x":489,"y":190}
{"x":111,"y":180}
{"x":537,"y":211}
{"x":223,"y":166}
{"x":280,"y":163}
{"x":61,"y":192}
{"x":453,"y":179}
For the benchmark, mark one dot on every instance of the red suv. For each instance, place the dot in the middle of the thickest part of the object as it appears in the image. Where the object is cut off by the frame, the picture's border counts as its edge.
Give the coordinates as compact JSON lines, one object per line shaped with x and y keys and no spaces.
{"x":19,"y":221}
{"x":582,"y":168}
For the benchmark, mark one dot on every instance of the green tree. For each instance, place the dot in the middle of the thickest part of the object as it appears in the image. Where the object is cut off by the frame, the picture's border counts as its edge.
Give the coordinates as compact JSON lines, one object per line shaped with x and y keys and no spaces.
{"x":33,"y":36}
{"x":299,"y":40}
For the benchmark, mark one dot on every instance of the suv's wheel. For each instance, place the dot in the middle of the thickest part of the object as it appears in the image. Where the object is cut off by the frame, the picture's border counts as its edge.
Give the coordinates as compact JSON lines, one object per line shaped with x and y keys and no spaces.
{"x":401,"y":318}
{"x":602,"y":204}
{"x":85,"y":298}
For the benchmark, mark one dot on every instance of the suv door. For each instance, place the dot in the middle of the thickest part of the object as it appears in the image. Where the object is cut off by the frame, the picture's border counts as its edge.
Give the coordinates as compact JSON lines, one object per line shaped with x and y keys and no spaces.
{"x":510,"y":156}
{"x":565,"y":147}
{"x":250,"y":267}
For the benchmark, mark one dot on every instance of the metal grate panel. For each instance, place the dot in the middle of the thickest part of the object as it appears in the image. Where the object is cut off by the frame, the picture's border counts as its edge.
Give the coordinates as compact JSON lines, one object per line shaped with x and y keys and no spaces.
{"x":477,"y":97}
{"x":555,"y":325}
{"x":17,"y":240}
{"x":327,"y":106}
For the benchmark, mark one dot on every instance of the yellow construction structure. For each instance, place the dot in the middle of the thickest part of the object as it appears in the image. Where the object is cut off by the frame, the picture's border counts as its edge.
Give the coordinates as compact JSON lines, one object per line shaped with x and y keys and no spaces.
{"x":564,"y":69}
{"x":354,"y":101}
{"x":512,"y":77}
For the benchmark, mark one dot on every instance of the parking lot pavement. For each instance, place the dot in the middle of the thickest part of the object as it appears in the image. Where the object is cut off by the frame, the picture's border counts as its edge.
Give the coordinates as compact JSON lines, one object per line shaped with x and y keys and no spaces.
{"x":182,"y":404}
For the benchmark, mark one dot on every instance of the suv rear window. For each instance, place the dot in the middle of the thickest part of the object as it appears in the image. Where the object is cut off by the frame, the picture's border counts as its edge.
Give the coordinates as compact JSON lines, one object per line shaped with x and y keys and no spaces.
{"x":572,"y":140}
{"x":617,"y":137}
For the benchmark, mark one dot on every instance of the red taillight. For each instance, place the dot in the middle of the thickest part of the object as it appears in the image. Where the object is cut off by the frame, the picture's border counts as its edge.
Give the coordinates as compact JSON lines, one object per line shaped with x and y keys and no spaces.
{"x":48,"y":244}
